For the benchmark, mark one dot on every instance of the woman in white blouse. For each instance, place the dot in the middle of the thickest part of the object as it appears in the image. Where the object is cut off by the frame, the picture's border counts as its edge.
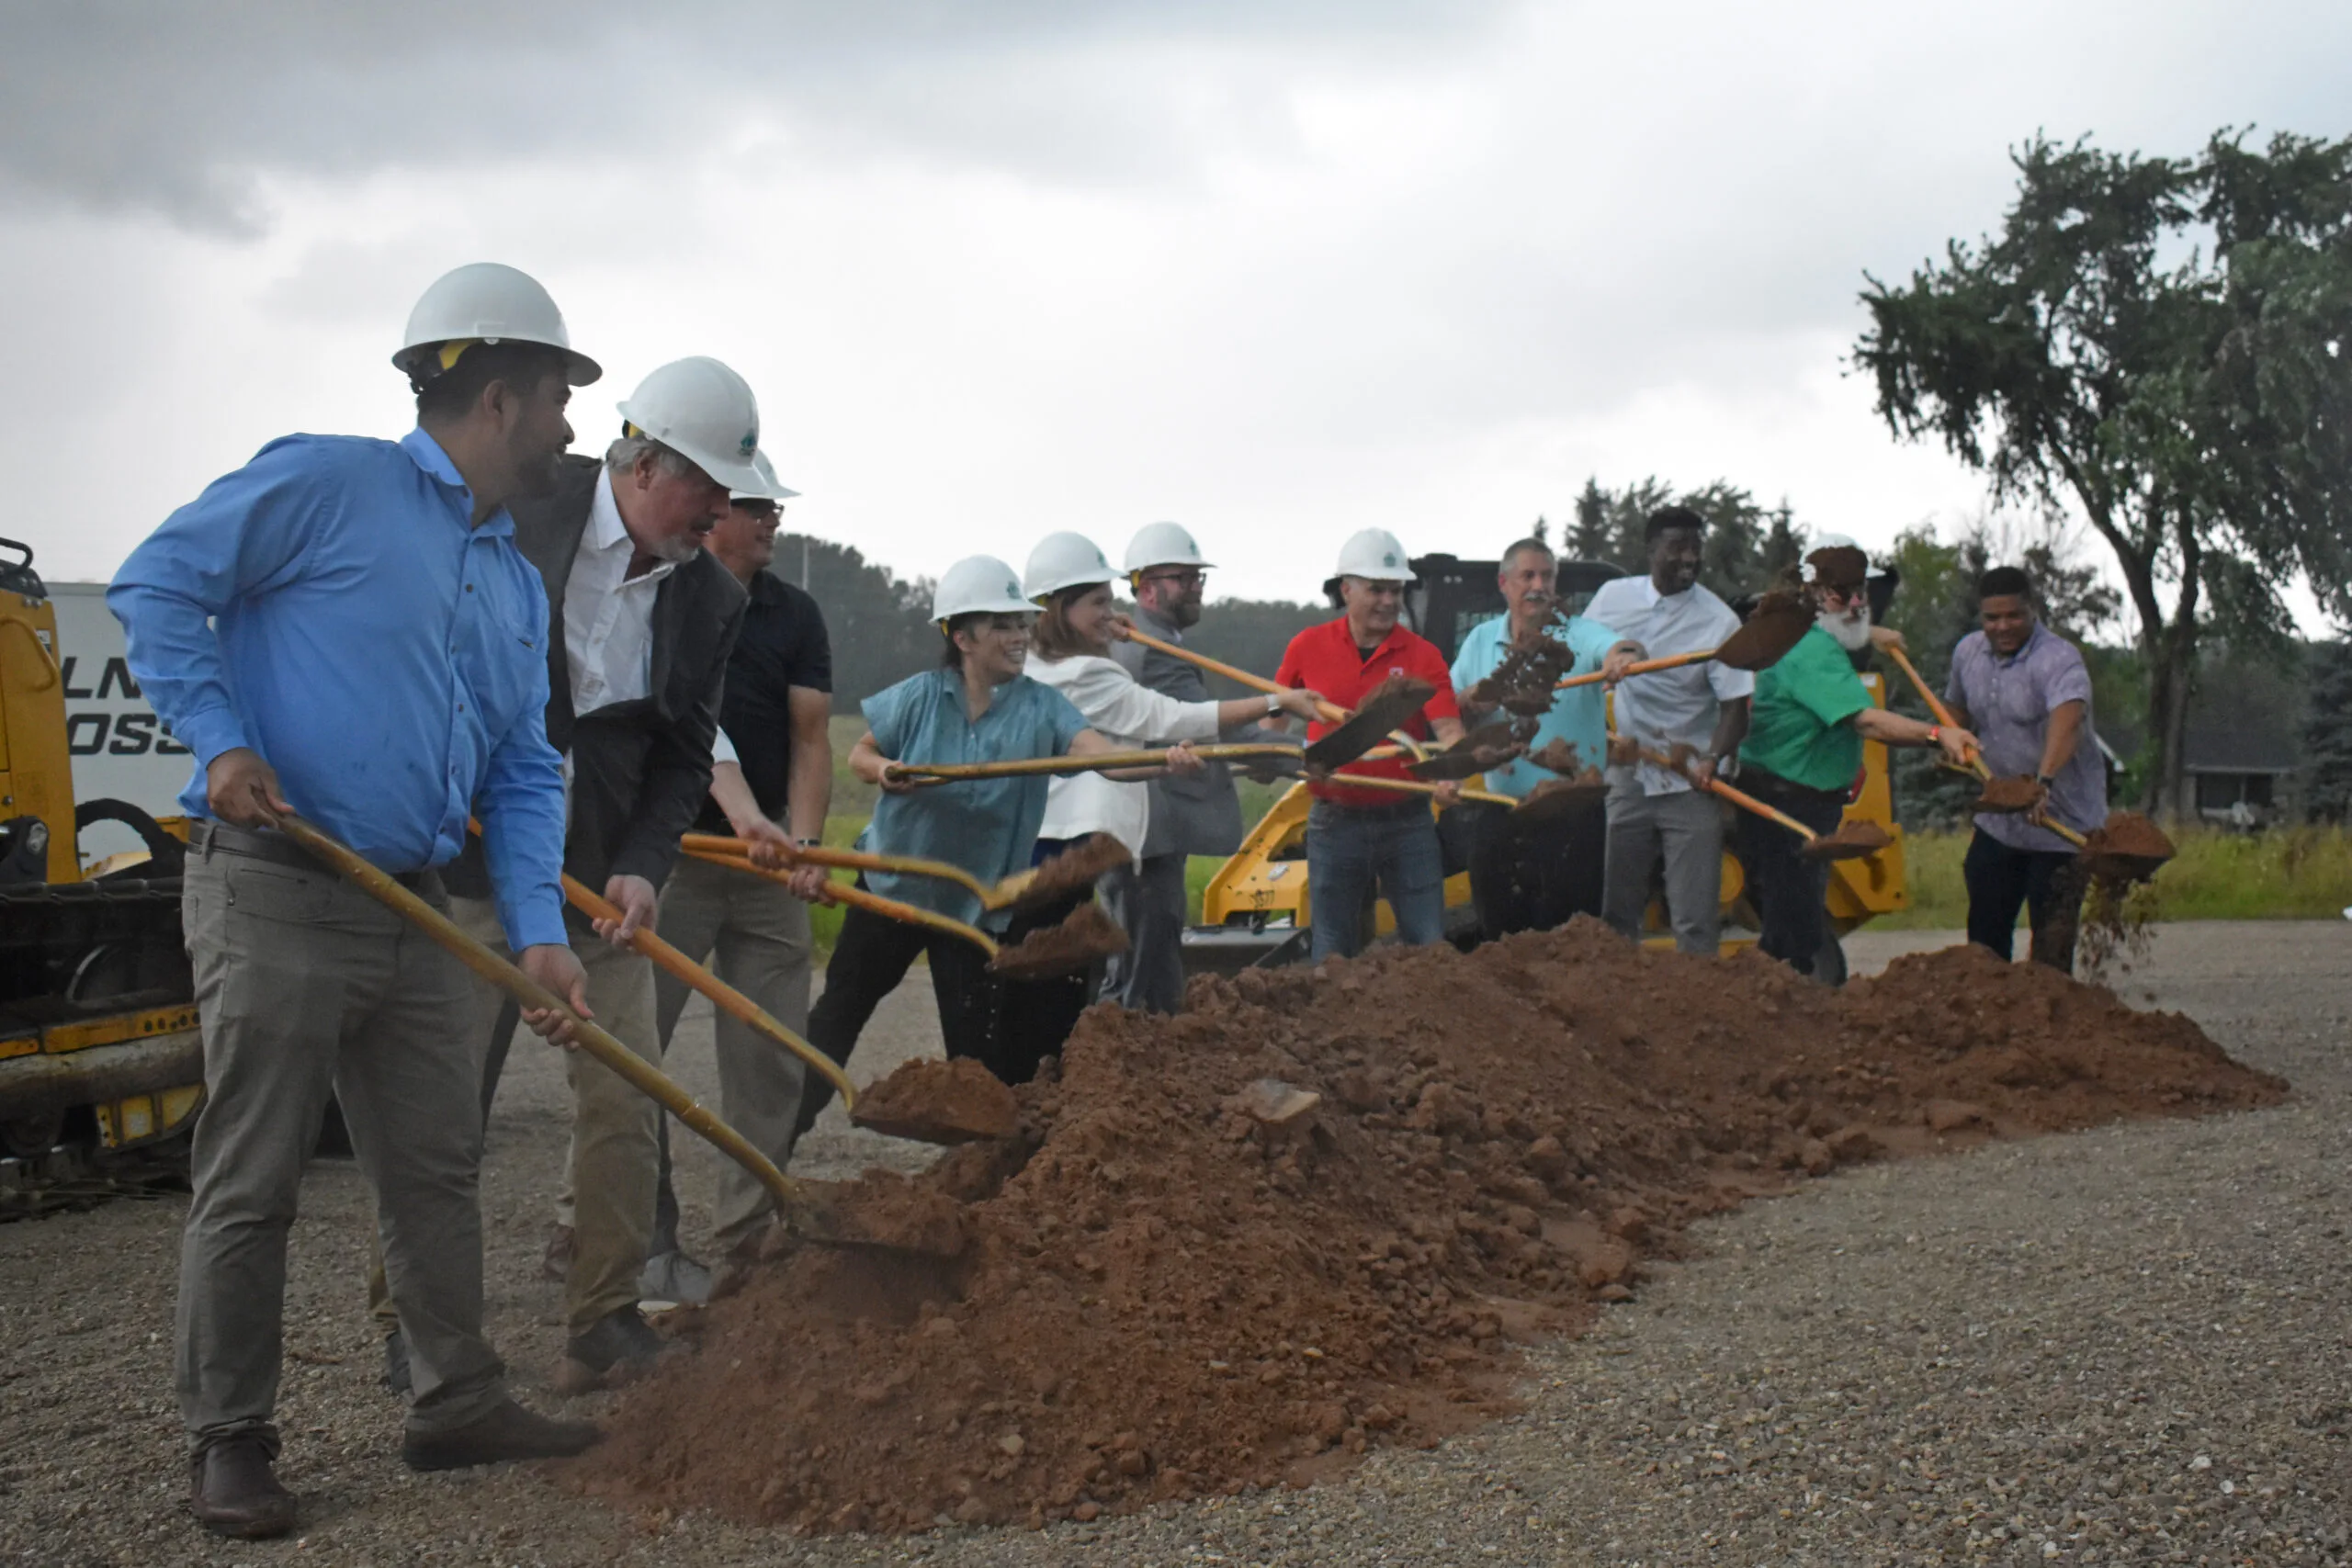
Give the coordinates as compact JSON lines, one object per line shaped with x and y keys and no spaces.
{"x":1070,"y":581}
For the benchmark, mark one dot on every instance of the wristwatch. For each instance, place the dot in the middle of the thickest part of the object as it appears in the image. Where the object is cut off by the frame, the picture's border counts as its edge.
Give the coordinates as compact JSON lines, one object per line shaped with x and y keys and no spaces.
{"x":1274,"y":703}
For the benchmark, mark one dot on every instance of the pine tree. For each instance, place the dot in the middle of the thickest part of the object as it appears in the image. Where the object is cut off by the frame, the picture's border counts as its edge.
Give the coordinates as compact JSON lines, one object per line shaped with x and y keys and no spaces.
{"x":2327,"y":733}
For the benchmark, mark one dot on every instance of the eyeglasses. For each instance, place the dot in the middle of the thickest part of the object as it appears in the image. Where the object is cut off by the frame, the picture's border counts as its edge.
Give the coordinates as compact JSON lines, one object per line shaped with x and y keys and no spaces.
{"x":1836,"y":595}
{"x":1184,"y":577}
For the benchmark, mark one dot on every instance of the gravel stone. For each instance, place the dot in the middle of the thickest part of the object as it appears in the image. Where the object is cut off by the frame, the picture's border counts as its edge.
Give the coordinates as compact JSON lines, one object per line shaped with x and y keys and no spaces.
{"x":2127,"y":1345}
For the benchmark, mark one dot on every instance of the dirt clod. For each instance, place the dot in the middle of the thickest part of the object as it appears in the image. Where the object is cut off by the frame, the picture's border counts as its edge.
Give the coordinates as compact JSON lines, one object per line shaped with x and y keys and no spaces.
{"x":1171,"y":1299}
{"x":2007,"y":796}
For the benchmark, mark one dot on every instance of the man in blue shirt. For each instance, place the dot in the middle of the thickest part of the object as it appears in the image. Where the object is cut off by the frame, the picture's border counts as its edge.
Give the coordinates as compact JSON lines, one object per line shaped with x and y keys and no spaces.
{"x":1534,"y":881}
{"x":343,"y":628}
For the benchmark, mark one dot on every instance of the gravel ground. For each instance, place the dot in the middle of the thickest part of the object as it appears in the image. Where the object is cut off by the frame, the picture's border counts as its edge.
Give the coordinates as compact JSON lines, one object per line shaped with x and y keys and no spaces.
{"x":2128,"y":1344}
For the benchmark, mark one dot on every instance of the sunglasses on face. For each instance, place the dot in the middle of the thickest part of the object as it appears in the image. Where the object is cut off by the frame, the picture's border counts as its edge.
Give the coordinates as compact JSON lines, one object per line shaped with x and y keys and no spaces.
{"x":1191,"y":577}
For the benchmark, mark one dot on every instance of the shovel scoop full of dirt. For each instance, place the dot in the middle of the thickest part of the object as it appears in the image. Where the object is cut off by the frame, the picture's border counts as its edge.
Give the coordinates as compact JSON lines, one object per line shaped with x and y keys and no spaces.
{"x":1074,"y":870}
{"x":2129,"y":848}
{"x":2006,"y":797}
{"x":955,"y":1101}
{"x":1090,"y":933}
{"x":1850,"y":840}
{"x":1555,"y":798}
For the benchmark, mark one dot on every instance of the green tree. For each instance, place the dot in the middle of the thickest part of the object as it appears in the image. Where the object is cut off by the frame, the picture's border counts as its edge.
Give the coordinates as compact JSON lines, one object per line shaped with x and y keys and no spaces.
{"x":2165,"y":344}
{"x":2327,"y":733}
{"x":878,"y":623}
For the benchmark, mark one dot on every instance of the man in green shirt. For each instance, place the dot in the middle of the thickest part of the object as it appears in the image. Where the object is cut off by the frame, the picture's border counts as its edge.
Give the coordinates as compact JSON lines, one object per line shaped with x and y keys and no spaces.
{"x":1804,"y":751}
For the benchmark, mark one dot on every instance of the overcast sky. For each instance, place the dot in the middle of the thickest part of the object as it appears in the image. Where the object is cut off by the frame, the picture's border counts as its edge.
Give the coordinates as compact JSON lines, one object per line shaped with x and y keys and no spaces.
{"x":1276,"y":271}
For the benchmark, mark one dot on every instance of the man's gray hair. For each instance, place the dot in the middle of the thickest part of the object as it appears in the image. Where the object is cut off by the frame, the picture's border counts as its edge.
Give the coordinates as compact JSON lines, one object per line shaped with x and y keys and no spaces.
{"x":622,"y":454}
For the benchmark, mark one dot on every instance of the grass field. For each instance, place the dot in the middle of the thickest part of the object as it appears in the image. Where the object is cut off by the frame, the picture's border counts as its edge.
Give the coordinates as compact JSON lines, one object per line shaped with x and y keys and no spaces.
{"x":2294,"y":874}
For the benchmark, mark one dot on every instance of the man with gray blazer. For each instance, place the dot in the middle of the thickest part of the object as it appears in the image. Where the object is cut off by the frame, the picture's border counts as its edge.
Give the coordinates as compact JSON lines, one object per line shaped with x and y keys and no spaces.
{"x":1192,"y":814}
{"x":642,"y":622}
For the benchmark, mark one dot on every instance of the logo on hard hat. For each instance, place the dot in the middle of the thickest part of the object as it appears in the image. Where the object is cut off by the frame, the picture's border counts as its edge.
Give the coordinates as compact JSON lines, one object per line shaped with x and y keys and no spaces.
{"x":1388,"y":558}
{"x":750,"y":443}
{"x":1011,"y":588}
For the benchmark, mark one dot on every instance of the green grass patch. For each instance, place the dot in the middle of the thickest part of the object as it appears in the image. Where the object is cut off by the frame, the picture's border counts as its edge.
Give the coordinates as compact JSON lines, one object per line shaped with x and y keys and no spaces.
{"x":2291,"y":874}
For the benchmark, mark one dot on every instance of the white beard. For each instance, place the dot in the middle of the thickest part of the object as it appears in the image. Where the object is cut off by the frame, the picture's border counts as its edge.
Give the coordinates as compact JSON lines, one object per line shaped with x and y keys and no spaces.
{"x":1850,"y":627}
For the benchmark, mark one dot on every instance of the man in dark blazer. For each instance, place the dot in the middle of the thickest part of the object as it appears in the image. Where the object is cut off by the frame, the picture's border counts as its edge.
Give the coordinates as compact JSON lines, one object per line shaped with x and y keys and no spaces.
{"x":1192,"y":814}
{"x":641,"y":624}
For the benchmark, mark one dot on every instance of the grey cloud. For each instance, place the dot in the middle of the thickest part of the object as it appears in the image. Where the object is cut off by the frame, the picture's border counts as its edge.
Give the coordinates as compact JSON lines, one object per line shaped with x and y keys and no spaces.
{"x":188,"y":109}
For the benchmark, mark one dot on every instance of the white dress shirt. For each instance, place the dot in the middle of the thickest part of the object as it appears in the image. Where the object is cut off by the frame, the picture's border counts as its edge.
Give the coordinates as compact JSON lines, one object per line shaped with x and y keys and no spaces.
{"x":1123,"y":710}
{"x":609,"y":614}
{"x":1673,"y":706}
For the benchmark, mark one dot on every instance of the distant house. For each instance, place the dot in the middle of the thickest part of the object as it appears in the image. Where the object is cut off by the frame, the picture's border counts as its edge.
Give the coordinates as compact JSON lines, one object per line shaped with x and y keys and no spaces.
{"x":2244,"y":749}
{"x":2239,"y":765}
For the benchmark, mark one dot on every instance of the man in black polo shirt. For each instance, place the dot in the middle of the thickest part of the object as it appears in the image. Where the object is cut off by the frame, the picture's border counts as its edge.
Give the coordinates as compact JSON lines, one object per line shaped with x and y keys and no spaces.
{"x":772,"y":778}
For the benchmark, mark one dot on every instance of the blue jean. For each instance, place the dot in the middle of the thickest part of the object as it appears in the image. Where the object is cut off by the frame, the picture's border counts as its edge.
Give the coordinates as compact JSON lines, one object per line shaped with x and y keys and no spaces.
{"x":1350,"y":852}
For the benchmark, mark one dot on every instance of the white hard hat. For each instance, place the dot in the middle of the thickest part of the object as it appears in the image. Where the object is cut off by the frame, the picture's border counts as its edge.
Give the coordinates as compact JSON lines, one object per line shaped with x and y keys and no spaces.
{"x":1845,"y":542}
{"x":485,"y":302}
{"x":704,"y":412}
{"x":1063,"y":560}
{"x":979,"y":585}
{"x":1164,"y":544}
{"x":1374,"y":554}
{"x":770,"y":488}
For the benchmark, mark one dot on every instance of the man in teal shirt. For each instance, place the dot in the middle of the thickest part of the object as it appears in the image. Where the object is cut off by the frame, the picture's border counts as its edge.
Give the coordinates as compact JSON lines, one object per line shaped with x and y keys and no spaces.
{"x":1534,"y":881}
{"x":1803,"y":751}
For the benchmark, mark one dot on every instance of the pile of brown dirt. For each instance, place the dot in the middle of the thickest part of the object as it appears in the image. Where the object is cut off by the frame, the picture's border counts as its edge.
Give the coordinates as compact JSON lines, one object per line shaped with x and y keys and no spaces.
{"x":1163,"y":1288}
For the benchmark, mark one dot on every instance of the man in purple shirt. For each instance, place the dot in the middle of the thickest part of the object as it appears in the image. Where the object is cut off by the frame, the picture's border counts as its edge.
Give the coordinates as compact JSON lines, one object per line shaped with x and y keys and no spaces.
{"x":2025,"y":691}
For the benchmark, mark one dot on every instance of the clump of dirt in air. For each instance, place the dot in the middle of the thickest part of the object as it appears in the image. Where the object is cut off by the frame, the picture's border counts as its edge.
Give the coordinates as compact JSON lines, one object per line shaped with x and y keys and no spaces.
{"x":1180,"y":1277}
{"x":1074,"y":869}
{"x":1090,"y":933}
{"x":1558,"y":756}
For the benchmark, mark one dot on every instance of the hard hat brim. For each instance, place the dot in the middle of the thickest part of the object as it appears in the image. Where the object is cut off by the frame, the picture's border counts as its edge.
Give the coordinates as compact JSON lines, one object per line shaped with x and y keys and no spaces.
{"x":579,"y":370}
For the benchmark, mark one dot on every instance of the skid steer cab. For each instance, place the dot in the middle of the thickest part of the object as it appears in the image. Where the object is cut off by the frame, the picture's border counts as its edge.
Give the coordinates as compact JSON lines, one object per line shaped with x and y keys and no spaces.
{"x":1257,"y":908}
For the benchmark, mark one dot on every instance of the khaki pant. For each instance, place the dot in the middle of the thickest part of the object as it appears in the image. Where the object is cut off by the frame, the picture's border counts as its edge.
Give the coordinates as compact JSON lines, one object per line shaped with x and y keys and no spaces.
{"x":760,"y":935}
{"x":608,"y":1193}
{"x":307,"y":985}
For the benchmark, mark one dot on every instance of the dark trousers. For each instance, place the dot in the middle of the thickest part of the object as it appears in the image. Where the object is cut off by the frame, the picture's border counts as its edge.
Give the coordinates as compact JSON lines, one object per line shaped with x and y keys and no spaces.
{"x":2001,"y":881}
{"x":870,"y":958}
{"x":1531,"y":879}
{"x":1149,"y":906}
{"x":1029,"y":1019}
{"x":1790,"y":893}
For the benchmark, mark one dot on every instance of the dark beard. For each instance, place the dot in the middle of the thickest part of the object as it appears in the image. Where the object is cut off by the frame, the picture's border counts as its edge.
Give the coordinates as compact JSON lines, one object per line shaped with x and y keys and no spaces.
{"x":1183,"y":613}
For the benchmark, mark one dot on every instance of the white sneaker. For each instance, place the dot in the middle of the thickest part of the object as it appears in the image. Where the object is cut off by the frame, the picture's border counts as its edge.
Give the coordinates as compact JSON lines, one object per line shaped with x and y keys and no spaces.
{"x":673,"y":1278}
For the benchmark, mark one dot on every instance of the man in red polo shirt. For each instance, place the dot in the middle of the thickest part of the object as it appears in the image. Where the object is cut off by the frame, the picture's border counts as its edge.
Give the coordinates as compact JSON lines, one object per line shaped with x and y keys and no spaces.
{"x":1357,"y":838}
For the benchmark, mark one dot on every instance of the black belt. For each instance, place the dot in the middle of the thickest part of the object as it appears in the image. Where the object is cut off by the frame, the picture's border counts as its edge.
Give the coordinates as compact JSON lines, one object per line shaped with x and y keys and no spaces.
{"x":206,"y":839}
{"x":1787,"y":792}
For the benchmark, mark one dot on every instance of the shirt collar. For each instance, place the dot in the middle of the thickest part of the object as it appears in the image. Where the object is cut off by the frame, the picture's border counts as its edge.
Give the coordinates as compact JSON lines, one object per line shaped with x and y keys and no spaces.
{"x":2032,"y":642}
{"x":606,"y":529}
{"x":428,"y":454}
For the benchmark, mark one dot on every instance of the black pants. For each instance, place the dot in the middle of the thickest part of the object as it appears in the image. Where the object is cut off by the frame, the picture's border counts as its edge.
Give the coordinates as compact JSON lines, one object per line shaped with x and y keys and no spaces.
{"x":871,"y":957}
{"x":1029,"y":1019}
{"x":1790,"y":893}
{"x":2048,"y":883}
{"x":1531,"y":879}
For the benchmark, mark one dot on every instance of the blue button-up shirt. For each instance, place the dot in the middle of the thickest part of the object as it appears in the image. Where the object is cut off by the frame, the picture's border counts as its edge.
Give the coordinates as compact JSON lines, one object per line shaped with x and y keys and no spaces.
{"x":332,"y":606}
{"x":1578,"y":716}
{"x":987,"y":826}
{"x":2009,"y":703}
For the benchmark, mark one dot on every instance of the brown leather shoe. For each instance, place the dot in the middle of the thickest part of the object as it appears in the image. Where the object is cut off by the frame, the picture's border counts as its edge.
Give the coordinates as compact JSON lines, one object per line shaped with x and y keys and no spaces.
{"x":231,"y":1490}
{"x":507,"y":1432}
{"x":557,"y":1263}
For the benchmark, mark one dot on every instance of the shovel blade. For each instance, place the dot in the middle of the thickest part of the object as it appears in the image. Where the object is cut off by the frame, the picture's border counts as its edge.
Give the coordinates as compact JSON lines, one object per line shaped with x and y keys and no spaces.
{"x":1851,"y":840}
{"x":1394,"y":701}
{"x":1778,"y":624}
